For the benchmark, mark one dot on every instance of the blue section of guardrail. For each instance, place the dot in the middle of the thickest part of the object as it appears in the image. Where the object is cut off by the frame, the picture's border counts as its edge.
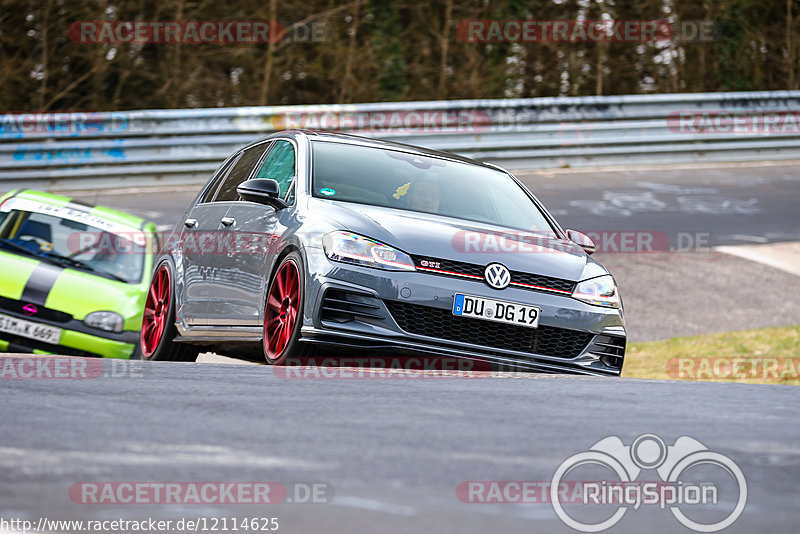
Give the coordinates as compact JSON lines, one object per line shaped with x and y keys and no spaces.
{"x":78,"y":150}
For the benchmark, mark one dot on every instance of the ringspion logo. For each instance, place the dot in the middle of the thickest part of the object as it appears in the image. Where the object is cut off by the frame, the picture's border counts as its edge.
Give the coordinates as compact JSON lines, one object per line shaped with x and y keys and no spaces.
{"x":676,"y":489}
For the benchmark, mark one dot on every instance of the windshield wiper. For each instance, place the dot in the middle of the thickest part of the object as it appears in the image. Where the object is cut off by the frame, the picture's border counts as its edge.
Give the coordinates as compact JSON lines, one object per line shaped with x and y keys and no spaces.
{"x":78,"y":264}
{"x":29,"y":252}
{"x":111,"y":275}
{"x":19,"y":248}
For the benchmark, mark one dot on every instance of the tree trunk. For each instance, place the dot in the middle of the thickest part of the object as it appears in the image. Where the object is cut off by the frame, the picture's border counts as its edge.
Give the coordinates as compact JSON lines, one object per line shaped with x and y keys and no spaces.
{"x":444,"y":39}
{"x":273,"y":14}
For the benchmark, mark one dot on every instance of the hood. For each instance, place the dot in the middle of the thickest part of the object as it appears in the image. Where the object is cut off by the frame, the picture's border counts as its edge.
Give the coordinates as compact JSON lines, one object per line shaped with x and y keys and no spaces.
{"x":72,"y":291}
{"x":434,"y":236}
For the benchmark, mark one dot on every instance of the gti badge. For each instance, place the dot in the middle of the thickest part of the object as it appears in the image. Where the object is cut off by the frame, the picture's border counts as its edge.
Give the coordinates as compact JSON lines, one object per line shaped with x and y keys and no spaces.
{"x":431,"y":264}
{"x":30,"y":309}
{"x":497,"y":275}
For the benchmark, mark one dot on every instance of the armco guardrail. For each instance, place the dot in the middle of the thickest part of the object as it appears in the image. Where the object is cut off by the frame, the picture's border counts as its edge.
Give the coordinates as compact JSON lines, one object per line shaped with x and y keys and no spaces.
{"x":152,"y":147}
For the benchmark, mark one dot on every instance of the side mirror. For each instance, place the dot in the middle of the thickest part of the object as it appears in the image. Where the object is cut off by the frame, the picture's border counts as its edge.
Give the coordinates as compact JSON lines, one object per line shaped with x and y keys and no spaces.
{"x":582,"y":240}
{"x":262,"y":190}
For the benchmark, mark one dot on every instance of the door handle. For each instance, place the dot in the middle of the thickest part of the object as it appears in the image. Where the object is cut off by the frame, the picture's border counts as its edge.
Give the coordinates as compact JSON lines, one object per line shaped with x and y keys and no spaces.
{"x":190,"y":223}
{"x":228,"y":221}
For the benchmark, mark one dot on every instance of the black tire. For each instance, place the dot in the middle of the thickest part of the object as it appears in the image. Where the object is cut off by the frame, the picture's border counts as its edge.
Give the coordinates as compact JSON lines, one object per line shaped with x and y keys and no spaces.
{"x":166,"y":349}
{"x":294,"y":350}
{"x":137,"y":352}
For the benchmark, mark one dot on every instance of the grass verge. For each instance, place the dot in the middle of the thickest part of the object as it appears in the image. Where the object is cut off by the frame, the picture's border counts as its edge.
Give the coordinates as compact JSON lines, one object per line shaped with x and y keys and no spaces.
{"x":763,"y":356}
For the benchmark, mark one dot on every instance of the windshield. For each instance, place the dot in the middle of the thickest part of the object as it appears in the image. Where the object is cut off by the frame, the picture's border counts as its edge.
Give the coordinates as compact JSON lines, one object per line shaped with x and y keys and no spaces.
{"x":114,"y":255}
{"x":394,"y":179}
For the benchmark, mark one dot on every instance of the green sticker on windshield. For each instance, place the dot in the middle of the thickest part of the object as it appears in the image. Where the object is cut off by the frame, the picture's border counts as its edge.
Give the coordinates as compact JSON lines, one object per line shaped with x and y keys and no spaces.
{"x":327,"y":191}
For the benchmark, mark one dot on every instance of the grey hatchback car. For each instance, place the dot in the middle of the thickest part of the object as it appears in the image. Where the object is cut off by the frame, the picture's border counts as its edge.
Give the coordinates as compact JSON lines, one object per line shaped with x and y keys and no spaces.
{"x":303,"y":240}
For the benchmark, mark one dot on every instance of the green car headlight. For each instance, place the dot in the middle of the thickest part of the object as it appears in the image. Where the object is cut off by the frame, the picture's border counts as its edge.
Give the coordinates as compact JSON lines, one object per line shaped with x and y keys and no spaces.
{"x":104,"y":320}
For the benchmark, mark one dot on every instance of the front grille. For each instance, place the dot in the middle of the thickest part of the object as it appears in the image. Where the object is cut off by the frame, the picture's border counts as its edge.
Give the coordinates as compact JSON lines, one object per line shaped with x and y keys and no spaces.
{"x":521,"y":279}
{"x":343,"y":306}
{"x":543,"y":281}
{"x":441,"y":324}
{"x":48,"y":314}
{"x":455,"y":267}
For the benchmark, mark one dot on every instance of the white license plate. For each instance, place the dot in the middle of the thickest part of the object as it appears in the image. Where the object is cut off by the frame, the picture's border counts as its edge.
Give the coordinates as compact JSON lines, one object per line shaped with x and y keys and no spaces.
{"x":496,"y":310}
{"x":29,"y":329}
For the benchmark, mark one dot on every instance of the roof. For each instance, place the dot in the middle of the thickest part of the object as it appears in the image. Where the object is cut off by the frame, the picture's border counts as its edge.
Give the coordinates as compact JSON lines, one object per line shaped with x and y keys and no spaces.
{"x":110,"y":214}
{"x":376,"y":143}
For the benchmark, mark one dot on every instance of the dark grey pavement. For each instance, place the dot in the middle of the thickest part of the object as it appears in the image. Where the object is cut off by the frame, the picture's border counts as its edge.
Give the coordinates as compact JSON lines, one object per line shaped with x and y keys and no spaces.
{"x":730,"y":204}
{"x":669,"y":294}
{"x":393,"y":451}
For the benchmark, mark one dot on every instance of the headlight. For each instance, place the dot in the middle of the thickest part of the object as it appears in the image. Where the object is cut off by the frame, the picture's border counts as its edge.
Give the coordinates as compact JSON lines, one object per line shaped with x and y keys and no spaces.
{"x":600,"y":291}
{"x":352,"y":248}
{"x":104,"y":320}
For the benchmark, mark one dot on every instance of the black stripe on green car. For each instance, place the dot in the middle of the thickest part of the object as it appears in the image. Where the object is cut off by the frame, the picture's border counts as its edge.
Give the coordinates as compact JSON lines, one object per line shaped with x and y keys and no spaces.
{"x":40,"y":283}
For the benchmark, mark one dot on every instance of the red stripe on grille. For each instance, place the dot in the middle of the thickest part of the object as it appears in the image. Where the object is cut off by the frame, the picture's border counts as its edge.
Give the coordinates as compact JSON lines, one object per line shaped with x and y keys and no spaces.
{"x":475,"y":277}
{"x":540,"y":287}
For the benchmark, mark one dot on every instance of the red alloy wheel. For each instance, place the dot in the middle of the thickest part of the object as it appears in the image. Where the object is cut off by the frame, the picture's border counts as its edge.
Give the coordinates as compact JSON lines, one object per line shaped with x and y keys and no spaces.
{"x":156,"y":310}
{"x":283,"y":302}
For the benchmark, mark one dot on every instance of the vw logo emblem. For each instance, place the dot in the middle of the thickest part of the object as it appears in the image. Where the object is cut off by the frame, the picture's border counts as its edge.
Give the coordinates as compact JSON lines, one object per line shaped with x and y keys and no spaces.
{"x":497,"y":275}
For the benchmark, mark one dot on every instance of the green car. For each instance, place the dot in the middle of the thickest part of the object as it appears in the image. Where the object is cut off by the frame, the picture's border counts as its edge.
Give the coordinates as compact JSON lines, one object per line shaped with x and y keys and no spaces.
{"x":73,"y":277}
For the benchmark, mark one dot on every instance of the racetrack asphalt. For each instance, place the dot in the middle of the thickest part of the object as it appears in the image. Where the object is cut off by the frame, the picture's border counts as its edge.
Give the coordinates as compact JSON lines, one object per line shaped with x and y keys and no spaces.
{"x":391,"y":451}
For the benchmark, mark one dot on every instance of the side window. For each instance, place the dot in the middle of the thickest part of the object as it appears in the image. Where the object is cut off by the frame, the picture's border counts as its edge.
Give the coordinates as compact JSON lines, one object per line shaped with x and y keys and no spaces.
{"x":208,"y":195}
{"x":240,"y":172}
{"x":279,"y":166}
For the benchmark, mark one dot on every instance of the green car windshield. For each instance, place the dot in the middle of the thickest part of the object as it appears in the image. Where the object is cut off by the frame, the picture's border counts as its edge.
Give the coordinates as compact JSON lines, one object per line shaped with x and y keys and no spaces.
{"x":379,"y":177}
{"x":114,"y":255}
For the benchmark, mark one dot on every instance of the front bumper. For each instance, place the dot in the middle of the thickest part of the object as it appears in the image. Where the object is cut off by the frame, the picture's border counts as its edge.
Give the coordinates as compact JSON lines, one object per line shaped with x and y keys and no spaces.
{"x":73,"y":342}
{"x":369,"y":309}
